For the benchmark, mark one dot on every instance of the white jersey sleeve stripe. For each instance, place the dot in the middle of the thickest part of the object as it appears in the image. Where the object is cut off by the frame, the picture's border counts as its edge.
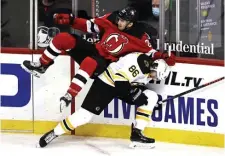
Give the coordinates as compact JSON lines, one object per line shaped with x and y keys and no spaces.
{"x":54,"y":48}
{"x":92,"y":27}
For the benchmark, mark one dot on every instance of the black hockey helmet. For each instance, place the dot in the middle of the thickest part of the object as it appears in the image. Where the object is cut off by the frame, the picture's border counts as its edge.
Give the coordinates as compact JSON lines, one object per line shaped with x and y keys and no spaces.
{"x":128,"y":13}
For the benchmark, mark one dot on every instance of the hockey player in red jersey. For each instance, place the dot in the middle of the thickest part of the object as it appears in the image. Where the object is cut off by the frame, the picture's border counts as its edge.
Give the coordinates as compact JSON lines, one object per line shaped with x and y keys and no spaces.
{"x":120,"y":35}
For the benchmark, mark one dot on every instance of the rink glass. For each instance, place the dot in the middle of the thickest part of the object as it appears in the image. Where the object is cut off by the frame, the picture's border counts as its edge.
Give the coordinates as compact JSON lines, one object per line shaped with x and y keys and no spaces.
{"x":193,"y":28}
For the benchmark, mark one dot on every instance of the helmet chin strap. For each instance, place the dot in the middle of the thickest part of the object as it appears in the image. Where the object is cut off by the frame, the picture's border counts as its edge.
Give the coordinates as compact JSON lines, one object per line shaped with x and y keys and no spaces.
{"x":150,"y":75}
{"x":127,"y":28}
{"x":128,"y":24}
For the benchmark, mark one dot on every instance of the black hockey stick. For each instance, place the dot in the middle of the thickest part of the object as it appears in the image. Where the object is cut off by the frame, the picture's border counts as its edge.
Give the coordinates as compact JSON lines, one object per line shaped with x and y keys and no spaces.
{"x":191,"y":90}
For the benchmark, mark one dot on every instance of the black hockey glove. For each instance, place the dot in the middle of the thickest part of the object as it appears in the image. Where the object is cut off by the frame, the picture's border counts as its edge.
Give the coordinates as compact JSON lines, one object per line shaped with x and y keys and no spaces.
{"x":138,"y":85}
{"x":138,"y":97}
{"x":65,"y":101}
{"x":131,"y":94}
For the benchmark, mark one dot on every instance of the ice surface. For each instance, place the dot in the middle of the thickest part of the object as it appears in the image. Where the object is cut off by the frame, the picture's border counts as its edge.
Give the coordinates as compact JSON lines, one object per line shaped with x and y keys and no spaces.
{"x":25,"y":145}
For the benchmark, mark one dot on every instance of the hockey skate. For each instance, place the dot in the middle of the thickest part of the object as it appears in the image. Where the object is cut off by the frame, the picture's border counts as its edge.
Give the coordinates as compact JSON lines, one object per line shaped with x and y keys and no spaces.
{"x":34,"y":68}
{"x":139,"y":140}
{"x":46,"y":139}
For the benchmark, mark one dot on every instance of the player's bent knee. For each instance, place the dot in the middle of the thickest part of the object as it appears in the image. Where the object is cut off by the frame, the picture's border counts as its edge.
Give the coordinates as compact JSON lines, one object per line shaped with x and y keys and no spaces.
{"x":88,"y":65}
{"x":102,"y":64}
{"x":64,"y":41}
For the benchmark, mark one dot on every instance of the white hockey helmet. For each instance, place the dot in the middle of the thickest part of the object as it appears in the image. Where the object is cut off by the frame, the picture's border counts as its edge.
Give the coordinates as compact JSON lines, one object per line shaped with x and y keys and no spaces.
{"x":162,"y":69}
{"x":45,"y":35}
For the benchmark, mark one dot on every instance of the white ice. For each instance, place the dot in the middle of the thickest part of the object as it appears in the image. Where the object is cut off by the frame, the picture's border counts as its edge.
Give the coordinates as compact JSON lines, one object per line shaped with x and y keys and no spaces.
{"x":25,"y":145}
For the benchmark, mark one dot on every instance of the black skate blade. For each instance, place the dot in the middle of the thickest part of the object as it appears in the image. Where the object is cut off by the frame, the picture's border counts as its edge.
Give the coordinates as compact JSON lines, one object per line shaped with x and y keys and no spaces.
{"x":34,"y":73}
{"x":39,"y":146}
{"x":134,"y":145}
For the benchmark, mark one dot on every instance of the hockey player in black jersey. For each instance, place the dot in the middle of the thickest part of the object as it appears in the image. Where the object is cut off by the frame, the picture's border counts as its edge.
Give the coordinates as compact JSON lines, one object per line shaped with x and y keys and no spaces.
{"x":124,"y":79}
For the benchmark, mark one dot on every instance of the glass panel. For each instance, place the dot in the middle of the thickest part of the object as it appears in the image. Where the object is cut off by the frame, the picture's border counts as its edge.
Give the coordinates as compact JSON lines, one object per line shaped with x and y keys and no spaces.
{"x":103,"y":6}
{"x":84,"y":8}
{"x":212,"y":27}
{"x":15,"y":27}
{"x":47,"y":29}
{"x":206,"y":27}
{"x":170,"y":21}
{"x":201,"y":28}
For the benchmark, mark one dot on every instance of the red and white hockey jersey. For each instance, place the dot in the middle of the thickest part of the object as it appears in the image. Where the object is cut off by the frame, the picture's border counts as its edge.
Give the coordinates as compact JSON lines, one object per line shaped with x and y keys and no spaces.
{"x":115,"y":43}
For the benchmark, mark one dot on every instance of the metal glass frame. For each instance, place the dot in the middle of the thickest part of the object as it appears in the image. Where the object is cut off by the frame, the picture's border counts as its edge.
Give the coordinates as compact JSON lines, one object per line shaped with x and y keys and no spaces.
{"x":31,"y":24}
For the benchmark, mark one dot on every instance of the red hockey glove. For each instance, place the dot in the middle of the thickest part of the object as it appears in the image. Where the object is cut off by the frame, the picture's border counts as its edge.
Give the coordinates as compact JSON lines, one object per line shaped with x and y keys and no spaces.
{"x":170,"y":60}
{"x":64,"y":19}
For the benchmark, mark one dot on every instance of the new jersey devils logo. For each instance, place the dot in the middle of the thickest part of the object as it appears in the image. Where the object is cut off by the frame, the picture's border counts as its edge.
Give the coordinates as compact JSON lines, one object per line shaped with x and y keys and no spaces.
{"x":115,"y":43}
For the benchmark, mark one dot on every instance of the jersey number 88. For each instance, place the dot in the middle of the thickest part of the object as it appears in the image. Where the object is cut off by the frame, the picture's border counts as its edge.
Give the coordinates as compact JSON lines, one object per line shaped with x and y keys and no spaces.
{"x":134,"y":71}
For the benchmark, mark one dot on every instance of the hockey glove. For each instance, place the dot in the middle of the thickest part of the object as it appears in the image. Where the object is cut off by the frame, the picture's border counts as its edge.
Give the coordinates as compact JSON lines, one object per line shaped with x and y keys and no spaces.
{"x":170,"y":60}
{"x":141,"y":86}
{"x":65,"y":101}
{"x":138,"y":97}
{"x":131,"y":94}
{"x":63,"y":19}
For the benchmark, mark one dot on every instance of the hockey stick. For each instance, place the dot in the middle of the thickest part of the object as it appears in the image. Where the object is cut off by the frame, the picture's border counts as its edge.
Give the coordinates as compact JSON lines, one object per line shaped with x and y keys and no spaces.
{"x":191,"y":90}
